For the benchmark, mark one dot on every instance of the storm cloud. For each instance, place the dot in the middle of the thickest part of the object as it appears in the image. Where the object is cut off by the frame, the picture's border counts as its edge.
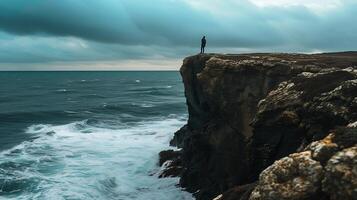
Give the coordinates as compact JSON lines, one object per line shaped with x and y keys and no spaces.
{"x":40,"y":31}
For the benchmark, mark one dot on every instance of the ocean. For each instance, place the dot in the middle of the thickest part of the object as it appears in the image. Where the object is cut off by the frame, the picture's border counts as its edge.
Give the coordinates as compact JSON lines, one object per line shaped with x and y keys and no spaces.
{"x":88,"y":135}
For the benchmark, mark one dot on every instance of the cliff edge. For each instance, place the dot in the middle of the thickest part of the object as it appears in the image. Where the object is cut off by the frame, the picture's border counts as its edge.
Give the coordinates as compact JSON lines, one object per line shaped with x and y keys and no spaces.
{"x":268,"y":126}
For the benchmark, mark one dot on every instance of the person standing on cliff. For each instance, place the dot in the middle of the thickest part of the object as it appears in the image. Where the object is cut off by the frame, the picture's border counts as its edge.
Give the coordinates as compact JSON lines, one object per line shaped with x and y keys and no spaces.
{"x":203,"y":44}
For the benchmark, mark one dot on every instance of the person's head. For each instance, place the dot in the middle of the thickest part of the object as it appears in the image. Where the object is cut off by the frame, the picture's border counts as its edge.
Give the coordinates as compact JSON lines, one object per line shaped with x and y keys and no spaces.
{"x":204,"y":36}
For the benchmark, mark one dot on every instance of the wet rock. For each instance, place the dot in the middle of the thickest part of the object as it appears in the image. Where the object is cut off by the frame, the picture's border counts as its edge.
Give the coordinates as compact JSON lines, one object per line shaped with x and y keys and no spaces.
{"x":171,"y":163}
{"x":170,"y":170}
{"x":169,"y":155}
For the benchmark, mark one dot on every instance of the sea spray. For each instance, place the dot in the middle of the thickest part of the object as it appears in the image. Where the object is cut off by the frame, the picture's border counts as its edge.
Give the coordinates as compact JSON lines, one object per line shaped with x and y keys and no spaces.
{"x":83,"y":161}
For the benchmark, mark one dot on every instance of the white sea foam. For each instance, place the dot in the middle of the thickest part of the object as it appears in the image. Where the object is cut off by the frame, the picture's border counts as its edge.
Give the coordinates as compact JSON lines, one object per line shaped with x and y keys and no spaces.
{"x":70,"y":112}
{"x":81,"y":161}
{"x":61,"y":90}
{"x":143,"y":105}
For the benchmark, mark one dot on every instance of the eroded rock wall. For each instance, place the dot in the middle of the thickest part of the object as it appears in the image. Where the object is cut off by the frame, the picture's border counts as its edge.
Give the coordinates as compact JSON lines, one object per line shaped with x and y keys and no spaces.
{"x":247,"y":111}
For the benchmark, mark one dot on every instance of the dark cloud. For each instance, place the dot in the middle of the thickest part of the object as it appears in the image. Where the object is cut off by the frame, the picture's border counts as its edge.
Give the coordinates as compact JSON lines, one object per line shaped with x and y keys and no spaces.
{"x":131,"y":22}
{"x":86,"y":19}
{"x":93,"y":30}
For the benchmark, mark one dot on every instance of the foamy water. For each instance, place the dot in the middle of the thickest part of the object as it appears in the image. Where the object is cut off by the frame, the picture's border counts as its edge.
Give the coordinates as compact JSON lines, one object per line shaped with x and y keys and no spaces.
{"x":82,"y":161}
{"x":88,"y":135}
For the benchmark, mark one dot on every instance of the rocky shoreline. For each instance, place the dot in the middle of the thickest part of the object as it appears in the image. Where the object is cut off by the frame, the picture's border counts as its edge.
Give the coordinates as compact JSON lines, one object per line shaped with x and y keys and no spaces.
{"x":268,"y":126}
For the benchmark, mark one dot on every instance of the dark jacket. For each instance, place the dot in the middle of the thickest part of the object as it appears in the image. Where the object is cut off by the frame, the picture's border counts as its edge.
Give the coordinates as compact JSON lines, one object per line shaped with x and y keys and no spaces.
{"x":203,"y":42}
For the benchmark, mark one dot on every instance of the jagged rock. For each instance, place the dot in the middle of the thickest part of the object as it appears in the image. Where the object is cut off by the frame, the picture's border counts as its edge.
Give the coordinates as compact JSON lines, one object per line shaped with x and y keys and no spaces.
{"x":295,"y":177}
{"x":171,"y":163}
{"x":222,"y":96}
{"x":327,"y":169}
{"x":340,"y":180}
{"x":319,"y":103}
{"x":168,"y":155}
{"x":247,"y":111}
{"x":179,"y":136}
{"x":170,"y":169}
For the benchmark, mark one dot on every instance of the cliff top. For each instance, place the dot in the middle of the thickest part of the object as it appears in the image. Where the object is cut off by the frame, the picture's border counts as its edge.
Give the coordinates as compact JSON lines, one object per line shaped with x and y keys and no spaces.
{"x":336,"y":59}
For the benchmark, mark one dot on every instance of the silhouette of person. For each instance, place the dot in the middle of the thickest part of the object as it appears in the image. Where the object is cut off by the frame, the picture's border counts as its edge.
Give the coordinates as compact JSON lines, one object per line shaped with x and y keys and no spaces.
{"x":203,"y":44}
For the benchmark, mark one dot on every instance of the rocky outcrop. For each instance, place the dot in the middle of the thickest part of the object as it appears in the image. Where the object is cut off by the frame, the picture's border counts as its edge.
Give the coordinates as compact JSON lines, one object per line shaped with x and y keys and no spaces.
{"x":171,"y":163}
{"x":294,"y":177}
{"x":249,"y":111}
{"x":300,"y":111}
{"x":326,"y":169}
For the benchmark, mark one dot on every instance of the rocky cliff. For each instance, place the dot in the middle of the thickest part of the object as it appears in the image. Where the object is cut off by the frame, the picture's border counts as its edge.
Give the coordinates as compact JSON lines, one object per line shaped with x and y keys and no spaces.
{"x":268,"y":126}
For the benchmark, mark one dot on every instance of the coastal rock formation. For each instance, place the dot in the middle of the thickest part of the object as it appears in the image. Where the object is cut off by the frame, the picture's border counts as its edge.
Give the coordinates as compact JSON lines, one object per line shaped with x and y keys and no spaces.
{"x":171,"y":163}
{"x":300,"y":111}
{"x":294,"y":177}
{"x":326,"y":169}
{"x":261,"y":123}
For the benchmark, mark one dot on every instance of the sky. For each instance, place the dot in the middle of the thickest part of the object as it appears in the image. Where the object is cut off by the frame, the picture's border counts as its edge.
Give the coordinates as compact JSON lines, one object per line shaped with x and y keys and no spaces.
{"x":158,"y":34}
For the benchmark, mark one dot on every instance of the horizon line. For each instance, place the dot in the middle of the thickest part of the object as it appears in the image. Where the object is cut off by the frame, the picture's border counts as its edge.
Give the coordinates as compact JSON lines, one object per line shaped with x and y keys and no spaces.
{"x":153,"y":70}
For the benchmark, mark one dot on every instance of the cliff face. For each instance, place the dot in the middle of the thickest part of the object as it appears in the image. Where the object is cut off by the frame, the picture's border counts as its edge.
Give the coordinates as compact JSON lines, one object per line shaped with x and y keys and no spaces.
{"x":247,"y":111}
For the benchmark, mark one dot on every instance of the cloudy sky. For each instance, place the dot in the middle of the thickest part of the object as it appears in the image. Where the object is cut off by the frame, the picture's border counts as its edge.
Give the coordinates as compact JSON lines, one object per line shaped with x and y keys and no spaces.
{"x":157,"y":34}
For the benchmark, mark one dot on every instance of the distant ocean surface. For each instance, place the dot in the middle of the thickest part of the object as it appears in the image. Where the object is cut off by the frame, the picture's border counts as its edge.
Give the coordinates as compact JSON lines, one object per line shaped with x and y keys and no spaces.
{"x":88,"y":135}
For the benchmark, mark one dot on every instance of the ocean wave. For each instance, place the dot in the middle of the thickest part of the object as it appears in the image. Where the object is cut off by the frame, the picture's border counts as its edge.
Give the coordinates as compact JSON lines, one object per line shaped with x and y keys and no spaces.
{"x":88,"y":160}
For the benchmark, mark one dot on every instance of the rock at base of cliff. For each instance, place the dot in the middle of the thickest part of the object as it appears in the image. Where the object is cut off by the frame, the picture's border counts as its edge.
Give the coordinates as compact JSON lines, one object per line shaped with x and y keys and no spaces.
{"x":171,"y":163}
{"x":179,"y":137}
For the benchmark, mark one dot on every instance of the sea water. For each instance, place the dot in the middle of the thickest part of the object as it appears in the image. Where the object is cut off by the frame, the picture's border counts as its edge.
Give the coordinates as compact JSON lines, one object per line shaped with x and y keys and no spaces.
{"x":88,"y":135}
